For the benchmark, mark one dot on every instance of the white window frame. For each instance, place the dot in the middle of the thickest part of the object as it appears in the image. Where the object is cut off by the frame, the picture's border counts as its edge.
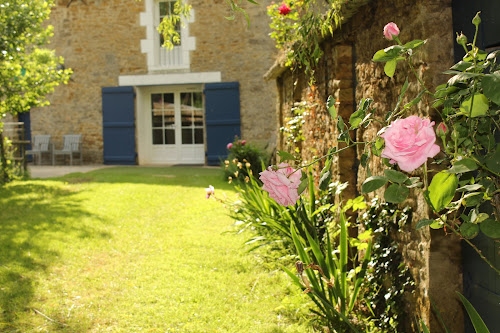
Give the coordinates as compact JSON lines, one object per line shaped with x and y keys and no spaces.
{"x":151,"y":45}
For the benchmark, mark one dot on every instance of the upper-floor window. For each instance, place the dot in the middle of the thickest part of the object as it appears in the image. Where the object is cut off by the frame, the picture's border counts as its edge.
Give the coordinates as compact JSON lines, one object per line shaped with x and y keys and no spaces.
{"x":166,"y":8}
{"x":162,"y":58}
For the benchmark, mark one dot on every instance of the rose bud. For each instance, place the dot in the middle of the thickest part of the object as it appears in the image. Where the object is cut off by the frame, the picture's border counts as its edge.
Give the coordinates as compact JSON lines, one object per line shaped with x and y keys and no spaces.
{"x":442,"y":129}
{"x":391,"y":30}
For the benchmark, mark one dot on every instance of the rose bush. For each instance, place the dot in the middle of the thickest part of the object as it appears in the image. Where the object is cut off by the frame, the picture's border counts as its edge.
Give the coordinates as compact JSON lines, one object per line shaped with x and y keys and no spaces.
{"x":409,"y":142}
{"x":284,"y":9}
{"x":282,"y":183}
{"x":463,"y":198}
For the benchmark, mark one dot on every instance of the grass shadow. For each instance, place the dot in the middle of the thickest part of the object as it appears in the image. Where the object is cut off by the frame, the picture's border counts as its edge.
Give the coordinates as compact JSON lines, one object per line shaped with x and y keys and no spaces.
{"x":185,"y":176}
{"x":34,"y":214}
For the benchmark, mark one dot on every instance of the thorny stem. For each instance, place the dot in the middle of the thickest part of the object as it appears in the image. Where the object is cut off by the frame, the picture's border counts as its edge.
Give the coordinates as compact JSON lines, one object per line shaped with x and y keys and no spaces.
{"x":425,"y":175}
{"x":410,"y":63}
{"x":329,"y":154}
{"x":470,"y":243}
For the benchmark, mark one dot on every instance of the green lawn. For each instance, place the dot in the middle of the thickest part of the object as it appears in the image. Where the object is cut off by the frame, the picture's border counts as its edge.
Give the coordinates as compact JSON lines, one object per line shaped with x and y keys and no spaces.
{"x":132,"y":249}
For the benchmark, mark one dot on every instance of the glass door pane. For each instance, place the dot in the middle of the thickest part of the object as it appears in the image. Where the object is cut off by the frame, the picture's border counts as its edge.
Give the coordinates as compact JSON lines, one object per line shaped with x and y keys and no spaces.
{"x":163,"y":118}
{"x":192,"y":118}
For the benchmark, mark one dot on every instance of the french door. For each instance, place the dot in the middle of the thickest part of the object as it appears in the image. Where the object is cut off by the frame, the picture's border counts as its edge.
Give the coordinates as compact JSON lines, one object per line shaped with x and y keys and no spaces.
{"x":174,"y":122}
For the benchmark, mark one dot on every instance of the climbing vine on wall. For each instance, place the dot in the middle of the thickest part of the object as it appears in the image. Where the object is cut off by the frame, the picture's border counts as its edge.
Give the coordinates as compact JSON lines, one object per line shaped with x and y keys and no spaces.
{"x":299,"y":27}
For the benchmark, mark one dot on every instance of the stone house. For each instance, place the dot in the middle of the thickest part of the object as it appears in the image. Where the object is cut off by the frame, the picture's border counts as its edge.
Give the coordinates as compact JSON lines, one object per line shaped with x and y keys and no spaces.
{"x":440,"y":265}
{"x":135,"y":102}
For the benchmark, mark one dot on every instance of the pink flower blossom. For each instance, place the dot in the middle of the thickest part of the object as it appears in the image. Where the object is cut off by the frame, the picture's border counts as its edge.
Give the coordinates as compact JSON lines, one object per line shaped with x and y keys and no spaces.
{"x":282,"y":184}
{"x":229,"y":145}
{"x":409,"y":142}
{"x":284,"y":9}
{"x":391,"y":30}
{"x":210,"y":191}
{"x":243,"y":142}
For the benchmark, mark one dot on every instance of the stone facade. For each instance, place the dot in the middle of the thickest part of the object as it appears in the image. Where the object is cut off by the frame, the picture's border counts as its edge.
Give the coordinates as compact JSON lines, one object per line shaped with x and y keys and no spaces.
{"x":100,"y":41}
{"x":347,"y":73}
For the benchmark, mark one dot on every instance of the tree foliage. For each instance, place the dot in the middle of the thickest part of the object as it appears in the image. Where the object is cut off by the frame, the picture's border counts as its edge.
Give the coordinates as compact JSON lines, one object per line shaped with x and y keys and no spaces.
{"x":28,"y":71}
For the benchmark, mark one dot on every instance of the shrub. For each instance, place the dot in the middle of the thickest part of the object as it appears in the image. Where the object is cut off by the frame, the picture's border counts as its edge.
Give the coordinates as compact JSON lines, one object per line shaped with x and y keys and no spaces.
{"x":243,"y":159}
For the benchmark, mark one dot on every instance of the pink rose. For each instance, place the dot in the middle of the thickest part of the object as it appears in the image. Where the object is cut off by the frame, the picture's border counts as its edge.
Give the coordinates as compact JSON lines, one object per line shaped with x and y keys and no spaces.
{"x":391,"y":30}
{"x":229,"y":145}
{"x":243,"y":142}
{"x":284,"y":9}
{"x":409,"y":142}
{"x":282,"y":184}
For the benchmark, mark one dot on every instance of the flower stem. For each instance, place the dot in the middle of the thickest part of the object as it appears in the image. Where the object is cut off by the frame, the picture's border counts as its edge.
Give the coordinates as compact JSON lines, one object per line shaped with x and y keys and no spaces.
{"x":455,"y":231}
{"x":410,"y":63}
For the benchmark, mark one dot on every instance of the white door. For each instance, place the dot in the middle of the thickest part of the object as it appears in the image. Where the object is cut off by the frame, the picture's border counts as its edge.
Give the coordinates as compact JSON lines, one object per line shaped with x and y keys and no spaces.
{"x":172,"y":126}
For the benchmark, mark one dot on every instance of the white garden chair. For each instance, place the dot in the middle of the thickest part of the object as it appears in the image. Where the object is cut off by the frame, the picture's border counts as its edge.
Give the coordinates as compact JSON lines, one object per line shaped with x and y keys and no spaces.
{"x":40,"y":144}
{"x":72,"y":144}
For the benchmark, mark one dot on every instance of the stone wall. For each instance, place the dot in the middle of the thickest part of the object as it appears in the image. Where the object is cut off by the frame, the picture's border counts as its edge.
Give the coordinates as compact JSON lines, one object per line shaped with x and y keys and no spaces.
{"x":242,"y":53}
{"x":347,"y":73}
{"x":98,"y":41}
{"x":101,"y":40}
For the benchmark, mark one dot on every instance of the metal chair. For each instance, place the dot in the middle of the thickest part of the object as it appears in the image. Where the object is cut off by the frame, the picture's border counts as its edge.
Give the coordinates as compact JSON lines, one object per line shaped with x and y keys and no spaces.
{"x":40,"y":144}
{"x":71,"y":144}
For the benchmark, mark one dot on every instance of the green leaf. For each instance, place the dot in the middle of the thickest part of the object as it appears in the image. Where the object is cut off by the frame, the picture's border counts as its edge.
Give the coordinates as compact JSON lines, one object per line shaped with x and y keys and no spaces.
{"x":463,"y":166}
{"x":423,"y":223}
{"x":325,"y":180}
{"x":390,"y":67}
{"x":373,"y":183}
{"x":473,"y":199}
{"x":491,"y":228}
{"x":330,"y":104}
{"x":303,"y":185}
{"x":285,"y":156}
{"x":357,"y":117}
{"x":395,"y":176}
{"x":415,"y":44}
{"x":396,"y":193}
{"x":479,"y":106}
{"x":425,"y":329}
{"x":491,"y":87}
{"x":340,"y":124}
{"x":437,"y":225}
{"x":461,"y":66}
{"x":442,"y":190}
{"x":493,"y":163}
{"x":469,"y":188}
{"x":387,"y":53}
{"x":364,"y":160}
{"x":469,"y":230}
{"x":475,"y":318}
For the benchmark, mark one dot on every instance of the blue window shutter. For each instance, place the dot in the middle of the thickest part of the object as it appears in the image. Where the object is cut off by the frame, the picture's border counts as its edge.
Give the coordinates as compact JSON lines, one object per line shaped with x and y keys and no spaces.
{"x":25,"y":117}
{"x":118,"y":125}
{"x":222,"y":105}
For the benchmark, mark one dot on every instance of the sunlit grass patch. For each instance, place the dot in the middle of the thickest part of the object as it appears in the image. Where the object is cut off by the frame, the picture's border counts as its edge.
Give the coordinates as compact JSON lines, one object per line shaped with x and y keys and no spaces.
{"x":134,"y":249}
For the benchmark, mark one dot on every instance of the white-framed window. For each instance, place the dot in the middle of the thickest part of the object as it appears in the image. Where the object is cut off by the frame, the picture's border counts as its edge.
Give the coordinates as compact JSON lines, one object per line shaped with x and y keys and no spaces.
{"x":161,"y":58}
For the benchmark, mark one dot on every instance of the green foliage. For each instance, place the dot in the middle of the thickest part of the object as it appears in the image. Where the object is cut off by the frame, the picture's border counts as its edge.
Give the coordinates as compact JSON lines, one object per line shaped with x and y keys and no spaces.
{"x":314,"y":228}
{"x":170,"y":24}
{"x":292,"y":129}
{"x":270,"y":222}
{"x":463,"y":195}
{"x":27,"y":72}
{"x":388,"y":280}
{"x":300,"y":32}
{"x":244,"y":160}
